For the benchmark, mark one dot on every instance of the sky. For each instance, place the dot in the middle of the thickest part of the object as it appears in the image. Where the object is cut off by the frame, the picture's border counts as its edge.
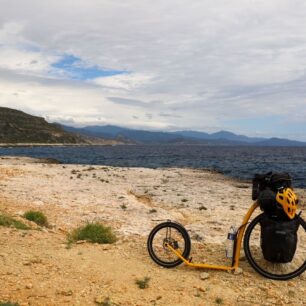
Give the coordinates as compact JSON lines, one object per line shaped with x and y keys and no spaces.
{"x":158,"y":65}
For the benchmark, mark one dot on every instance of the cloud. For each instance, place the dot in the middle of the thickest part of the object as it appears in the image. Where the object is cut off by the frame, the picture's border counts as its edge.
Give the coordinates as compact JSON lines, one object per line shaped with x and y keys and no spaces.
{"x":189,"y":64}
{"x":127,"y":82}
{"x":133,"y":102}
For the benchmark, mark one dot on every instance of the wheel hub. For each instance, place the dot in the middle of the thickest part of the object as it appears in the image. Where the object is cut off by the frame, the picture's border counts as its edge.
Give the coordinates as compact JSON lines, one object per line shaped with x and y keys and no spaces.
{"x":170,"y":241}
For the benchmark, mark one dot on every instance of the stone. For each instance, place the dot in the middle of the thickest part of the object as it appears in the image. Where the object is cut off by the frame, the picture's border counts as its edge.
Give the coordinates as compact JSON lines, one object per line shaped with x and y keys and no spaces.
{"x":106,"y":247}
{"x":204,"y":275}
{"x":238,"y":271}
{"x":81,"y":241}
{"x":27,"y":263}
{"x":202,"y":289}
{"x":65,"y":292}
{"x":102,"y":300}
{"x":29,"y":286}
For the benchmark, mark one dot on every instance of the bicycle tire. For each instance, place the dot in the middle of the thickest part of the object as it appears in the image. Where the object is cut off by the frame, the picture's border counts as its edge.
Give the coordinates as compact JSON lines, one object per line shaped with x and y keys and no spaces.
{"x":256,"y":266}
{"x":180,"y":231}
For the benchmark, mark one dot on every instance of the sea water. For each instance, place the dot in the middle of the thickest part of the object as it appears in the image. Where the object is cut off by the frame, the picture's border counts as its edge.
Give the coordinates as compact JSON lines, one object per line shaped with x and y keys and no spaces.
{"x":238,"y":161}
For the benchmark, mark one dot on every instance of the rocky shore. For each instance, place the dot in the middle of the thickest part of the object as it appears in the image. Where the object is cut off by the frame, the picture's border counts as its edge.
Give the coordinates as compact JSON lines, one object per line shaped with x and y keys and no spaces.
{"x":37,"y":268}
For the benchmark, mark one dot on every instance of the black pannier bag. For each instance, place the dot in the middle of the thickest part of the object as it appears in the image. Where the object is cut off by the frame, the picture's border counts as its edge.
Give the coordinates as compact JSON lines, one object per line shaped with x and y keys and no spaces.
{"x":278,"y":239}
{"x":280,"y":180}
{"x":260,"y":182}
{"x":273,"y":181}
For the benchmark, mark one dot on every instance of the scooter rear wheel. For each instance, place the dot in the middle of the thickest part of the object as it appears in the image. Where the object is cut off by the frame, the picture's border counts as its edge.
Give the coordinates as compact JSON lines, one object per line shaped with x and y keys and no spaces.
{"x":272,"y":270}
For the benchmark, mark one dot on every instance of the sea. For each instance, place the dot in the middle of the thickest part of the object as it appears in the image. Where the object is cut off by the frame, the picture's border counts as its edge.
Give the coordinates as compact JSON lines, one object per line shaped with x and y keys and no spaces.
{"x":237,"y":162}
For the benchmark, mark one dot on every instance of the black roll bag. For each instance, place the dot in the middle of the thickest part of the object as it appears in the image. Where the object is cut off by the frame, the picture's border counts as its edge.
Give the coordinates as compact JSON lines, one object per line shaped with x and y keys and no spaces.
{"x":278,"y":231}
{"x":278,"y":239}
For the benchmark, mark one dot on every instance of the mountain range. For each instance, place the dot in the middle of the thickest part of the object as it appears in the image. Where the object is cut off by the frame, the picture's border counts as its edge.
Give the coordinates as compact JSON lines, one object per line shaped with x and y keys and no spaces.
{"x":19,"y":127}
{"x":179,"y":137}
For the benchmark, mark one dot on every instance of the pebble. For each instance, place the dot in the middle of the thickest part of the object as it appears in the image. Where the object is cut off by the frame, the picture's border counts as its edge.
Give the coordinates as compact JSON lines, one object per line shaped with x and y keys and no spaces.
{"x":27,"y":263}
{"x":238,"y":271}
{"x":106,"y":247}
{"x":29,"y":286}
{"x":65,"y":292}
{"x":100,"y":300}
{"x":204,"y":275}
{"x":81,"y":241}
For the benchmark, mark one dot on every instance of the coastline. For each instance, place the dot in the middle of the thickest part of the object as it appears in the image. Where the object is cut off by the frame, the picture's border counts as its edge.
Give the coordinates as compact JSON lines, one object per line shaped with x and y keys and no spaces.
{"x":110,"y":143}
{"x":132,"y":201}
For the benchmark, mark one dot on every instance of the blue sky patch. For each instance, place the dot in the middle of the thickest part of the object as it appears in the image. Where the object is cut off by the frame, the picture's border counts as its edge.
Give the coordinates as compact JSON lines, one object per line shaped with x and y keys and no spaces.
{"x":76,"y":69}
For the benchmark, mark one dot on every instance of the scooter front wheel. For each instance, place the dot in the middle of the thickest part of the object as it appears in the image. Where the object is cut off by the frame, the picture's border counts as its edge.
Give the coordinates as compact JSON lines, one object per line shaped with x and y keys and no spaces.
{"x":168,"y":233}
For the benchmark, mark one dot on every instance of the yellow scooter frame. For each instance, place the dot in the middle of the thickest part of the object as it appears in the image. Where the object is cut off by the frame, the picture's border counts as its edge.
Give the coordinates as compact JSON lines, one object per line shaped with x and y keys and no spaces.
{"x":235,"y":262}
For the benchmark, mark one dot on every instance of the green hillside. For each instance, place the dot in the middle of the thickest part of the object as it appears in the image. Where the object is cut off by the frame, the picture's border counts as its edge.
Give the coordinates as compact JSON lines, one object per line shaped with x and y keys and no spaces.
{"x":19,"y":127}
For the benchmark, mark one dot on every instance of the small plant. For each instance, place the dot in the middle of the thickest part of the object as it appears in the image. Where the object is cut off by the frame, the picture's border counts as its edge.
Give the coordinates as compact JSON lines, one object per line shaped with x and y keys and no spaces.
{"x":219,"y":300}
{"x":202,"y":208}
{"x":90,"y":169}
{"x":79,"y":175}
{"x":184,"y":200}
{"x":68,"y":244}
{"x":105,"y":302}
{"x":36,"y":216}
{"x":8,"y":304}
{"x":93,"y":232}
{"x":143,"y":283}
{"x":152,"y":211}
{"x":8,"y":221}
{"x":123,"y":206}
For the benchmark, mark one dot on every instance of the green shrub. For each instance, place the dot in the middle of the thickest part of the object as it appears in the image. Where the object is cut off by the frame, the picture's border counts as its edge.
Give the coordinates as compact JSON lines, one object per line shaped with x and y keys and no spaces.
{"x":123,"y":206}
{"x":8,"y":221}
{"x":143,"y":283}
{"x":36,"y":216}
{"x":8,"y":304}
{"x":93,"y":232}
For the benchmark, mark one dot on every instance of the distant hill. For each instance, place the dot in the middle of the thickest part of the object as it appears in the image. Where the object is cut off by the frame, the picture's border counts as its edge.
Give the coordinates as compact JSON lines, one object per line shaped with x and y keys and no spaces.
{"x":19,"y":127}
{"x":278,"y":142}
{"x":224,"y":138}
{"x":221,"y":135}
{"x":128,"y":135}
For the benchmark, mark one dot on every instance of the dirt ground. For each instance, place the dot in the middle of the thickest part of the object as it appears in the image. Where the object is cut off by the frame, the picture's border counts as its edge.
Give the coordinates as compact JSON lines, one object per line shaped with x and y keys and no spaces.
{"x":38,"y":267}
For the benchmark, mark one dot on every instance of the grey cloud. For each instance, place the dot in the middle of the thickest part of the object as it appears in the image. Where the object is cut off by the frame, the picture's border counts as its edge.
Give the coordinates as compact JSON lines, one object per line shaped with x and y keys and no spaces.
{"x":133,"y":102}
{"x":124,"y":101}
{"x":169,"y":115}
{"x":210,"y":61}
